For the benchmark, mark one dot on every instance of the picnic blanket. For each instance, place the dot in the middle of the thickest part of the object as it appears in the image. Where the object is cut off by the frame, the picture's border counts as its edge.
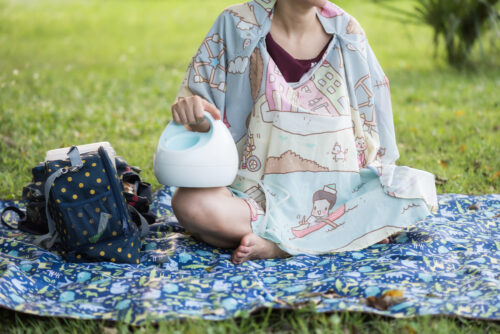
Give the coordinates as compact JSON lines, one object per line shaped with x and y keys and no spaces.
{"x":447,"y":264}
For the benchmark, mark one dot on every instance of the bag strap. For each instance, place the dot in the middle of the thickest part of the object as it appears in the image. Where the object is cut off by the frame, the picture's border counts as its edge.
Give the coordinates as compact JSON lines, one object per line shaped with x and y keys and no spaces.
{"x":74,"y":157}
{"x":20,"y":213}
{"x":47,"y":240}
{"x":144,"y":226}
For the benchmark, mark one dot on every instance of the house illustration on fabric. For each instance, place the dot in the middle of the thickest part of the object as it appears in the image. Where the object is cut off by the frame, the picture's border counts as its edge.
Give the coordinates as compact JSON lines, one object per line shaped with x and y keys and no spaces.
{"x":322,"y":94}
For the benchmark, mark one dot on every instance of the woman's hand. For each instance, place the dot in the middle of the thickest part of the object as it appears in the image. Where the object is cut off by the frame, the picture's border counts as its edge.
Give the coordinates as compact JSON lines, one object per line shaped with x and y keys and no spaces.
{"x":189,"y":111}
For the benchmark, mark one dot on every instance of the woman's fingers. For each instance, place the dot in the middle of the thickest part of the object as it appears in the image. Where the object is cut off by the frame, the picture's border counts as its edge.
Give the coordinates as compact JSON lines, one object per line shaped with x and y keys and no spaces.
{"x":183,"y":105}
{"x":189,"y":110}
{"x":198,"y":110}
{"x":211,"y":109}
{"x":174,"y":114}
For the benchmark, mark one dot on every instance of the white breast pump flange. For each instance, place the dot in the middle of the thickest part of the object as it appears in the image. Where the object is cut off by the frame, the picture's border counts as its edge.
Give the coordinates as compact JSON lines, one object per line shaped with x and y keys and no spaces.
{"x":191,"y":159}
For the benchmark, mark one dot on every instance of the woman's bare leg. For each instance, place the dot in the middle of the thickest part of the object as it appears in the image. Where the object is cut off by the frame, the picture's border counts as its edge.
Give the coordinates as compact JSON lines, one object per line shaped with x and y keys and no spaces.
{"x":212,"y":215}
{"x":216,"y":217}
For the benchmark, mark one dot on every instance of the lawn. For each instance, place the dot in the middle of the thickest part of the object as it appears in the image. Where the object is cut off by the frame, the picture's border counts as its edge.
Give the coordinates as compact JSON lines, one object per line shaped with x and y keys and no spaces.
{"x":74,"y":72}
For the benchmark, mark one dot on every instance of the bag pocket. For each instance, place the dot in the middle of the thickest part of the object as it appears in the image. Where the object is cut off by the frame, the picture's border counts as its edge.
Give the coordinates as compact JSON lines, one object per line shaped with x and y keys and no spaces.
{"x":90,"y":221}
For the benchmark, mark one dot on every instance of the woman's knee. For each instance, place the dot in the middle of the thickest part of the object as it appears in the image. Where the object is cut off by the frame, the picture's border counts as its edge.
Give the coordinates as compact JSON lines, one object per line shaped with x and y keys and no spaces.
{"x":195,"y":208}
{"x":212,"y":215}
{"x":184,"y":205}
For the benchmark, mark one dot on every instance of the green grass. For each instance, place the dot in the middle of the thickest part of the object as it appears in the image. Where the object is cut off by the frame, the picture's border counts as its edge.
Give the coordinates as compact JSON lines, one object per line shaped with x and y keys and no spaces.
{"x":263,"y":321}
{"x":83,"y":71}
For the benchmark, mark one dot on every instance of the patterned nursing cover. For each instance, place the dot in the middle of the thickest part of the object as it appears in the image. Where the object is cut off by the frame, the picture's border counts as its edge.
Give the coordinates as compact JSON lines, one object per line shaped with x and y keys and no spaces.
{"x":319,"y":154}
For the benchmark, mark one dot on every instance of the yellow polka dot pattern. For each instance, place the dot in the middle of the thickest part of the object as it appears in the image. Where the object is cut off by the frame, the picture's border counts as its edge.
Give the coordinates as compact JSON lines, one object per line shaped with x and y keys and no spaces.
{"x":77,"y":224}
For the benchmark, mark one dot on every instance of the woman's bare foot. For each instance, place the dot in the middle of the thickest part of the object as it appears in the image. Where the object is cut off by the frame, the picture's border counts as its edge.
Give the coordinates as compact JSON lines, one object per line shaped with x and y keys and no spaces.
{"x":385,"y":241}
{"x":254,"y":247}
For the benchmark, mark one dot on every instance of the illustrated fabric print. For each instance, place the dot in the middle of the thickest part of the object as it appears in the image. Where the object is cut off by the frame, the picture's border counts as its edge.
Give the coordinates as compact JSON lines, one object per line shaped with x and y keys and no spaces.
{"x":329,"y":133}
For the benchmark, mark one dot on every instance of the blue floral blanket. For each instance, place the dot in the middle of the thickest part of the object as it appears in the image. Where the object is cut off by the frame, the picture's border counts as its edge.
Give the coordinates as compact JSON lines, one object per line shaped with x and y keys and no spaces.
{"x":448,"y":264}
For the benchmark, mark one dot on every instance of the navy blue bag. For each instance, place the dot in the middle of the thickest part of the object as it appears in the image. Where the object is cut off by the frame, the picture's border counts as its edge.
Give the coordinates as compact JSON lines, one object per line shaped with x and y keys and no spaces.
{"x":86,"y":211}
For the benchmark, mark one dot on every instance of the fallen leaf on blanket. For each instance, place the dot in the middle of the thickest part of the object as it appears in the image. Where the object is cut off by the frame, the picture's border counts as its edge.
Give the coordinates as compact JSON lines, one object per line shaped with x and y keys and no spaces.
{"x":394,"y":293}
{"x":300,"y":303}
{"x":307,"y":303}
{"x":309,"y":299}
{"x":330,"y":294}
{"x":474,"y":206}
{"x":443,"y":163}
{"x":497,"y":215}
{"x":217,"y":311}
{"x":386,"y":300}
{"x":441,"y":180}
{"x":282,"y":302}
{"x":462,"y":148}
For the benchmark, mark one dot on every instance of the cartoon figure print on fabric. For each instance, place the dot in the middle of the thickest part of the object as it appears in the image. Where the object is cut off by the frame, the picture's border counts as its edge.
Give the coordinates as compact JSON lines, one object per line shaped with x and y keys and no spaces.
{"x":338,"y":153}
{"x":361,"y":148}
{"x":248,"y":159}
{"x":323,"y":201}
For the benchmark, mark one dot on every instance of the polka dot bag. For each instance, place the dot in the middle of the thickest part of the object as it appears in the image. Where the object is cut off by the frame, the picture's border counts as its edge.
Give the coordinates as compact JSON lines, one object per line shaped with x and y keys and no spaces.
{"x":86,"y":211}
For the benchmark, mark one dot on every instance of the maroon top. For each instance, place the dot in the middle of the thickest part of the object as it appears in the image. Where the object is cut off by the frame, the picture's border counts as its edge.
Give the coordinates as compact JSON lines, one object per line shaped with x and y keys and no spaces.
{"x":291,"y":68}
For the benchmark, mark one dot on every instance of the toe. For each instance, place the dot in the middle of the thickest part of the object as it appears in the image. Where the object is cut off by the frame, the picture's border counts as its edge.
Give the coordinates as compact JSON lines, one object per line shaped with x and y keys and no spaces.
{"x":238,"y":256}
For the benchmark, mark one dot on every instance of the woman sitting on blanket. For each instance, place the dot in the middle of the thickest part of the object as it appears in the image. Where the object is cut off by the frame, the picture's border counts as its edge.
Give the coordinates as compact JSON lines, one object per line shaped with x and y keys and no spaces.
{"x":308,"y":106}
